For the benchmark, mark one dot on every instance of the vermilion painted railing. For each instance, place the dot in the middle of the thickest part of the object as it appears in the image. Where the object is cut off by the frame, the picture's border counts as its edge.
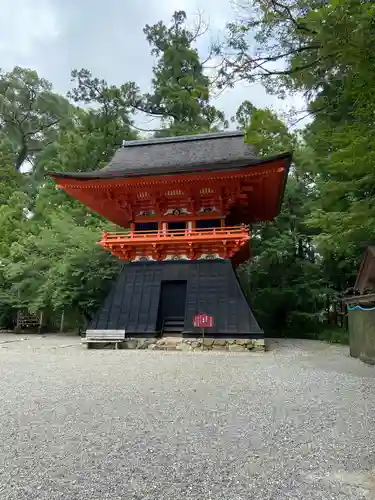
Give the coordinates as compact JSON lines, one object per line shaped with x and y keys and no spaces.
{"x":186,"y":234}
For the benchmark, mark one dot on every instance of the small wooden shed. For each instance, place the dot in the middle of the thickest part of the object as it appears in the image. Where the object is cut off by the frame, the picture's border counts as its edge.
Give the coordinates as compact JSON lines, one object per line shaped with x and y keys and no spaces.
{"x":361,"y":311}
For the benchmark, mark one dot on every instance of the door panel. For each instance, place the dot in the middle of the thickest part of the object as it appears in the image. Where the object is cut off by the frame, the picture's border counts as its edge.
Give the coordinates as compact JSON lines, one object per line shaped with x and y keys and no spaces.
{"x":172,"y":299}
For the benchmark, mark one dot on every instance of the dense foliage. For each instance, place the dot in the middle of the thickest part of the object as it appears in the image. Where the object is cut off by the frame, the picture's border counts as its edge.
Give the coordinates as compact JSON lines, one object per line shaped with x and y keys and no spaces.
{"x":306,"y":257}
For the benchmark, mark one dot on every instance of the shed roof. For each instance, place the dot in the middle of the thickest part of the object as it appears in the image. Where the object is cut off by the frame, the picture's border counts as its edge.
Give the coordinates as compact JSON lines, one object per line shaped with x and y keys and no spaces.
{"x":171,"y":155}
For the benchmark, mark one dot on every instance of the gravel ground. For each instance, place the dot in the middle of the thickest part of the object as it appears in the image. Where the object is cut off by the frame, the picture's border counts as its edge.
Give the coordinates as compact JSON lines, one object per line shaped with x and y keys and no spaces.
{"x":294,"y":423}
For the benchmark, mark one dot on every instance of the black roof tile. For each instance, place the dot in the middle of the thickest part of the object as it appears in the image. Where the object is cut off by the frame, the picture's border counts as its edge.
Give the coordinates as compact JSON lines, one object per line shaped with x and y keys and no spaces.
{"x":214,"y":151}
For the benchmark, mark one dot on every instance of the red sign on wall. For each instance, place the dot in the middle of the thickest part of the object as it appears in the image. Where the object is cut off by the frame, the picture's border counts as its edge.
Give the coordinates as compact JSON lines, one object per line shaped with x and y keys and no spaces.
{"x":203,"y":321}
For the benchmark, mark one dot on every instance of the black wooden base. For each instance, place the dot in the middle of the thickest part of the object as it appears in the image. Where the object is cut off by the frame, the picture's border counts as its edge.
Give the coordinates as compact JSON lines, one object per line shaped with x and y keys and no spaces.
{"x":146,"y":293}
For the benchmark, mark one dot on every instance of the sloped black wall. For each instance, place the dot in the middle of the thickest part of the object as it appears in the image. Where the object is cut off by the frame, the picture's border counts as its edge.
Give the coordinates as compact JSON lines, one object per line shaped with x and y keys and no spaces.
{"x":212,"y":288}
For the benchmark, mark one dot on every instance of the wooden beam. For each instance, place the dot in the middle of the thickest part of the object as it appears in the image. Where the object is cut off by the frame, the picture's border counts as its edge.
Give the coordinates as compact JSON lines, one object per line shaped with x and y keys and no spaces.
{"x":355,"y":299}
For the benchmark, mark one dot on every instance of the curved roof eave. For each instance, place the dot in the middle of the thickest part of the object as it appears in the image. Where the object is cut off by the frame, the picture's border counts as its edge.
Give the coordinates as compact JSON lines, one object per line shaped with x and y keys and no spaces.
{"x":106,"y":174}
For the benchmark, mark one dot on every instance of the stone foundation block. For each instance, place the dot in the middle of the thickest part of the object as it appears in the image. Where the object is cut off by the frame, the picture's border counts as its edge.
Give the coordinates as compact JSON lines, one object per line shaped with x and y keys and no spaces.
{"x":243,"y":341}
{"x":144,"y":343}
{"x":236,"y":348}
{"x":258,"y":345}
{"x":220,"y":342}
{"x":197,"y":344}
{"x":258,"y":342}
{"x":130,"y":344}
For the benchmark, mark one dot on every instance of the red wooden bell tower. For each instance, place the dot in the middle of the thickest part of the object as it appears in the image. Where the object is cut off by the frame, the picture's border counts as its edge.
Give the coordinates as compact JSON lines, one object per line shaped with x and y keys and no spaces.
{"x":182,"y":200}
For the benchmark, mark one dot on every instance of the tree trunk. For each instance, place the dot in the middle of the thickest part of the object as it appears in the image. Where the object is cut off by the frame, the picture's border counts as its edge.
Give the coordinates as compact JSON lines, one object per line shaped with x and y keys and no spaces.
{"x":22,"y":155}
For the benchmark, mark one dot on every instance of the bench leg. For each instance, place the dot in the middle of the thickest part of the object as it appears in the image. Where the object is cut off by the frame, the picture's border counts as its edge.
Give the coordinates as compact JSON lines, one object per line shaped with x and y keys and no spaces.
{"x":116,"y":345}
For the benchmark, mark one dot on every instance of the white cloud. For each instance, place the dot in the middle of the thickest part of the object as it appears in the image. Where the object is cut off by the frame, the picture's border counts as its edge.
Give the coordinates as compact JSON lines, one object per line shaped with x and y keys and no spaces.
{"x":55,"y":36}
{"x":25,"y":25}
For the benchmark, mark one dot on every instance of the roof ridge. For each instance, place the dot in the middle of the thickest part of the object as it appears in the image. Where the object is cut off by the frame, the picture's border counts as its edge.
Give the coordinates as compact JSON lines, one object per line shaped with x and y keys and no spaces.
{"x":182,"y":138}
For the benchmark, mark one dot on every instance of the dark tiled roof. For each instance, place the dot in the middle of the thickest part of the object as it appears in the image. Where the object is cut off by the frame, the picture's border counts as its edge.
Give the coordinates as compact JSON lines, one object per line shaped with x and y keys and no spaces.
{"x":217,"y":151}
{"x":181,"y":152}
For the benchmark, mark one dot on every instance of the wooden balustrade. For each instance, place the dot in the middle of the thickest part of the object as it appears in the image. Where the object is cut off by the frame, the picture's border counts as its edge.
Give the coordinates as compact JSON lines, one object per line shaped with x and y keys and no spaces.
{"x":186,"y":234}
{"x":192,"y":243}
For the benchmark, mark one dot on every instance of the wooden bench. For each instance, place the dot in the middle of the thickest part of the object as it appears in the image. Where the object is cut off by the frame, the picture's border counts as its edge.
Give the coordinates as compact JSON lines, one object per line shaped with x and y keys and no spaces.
{"x":104,"y":337}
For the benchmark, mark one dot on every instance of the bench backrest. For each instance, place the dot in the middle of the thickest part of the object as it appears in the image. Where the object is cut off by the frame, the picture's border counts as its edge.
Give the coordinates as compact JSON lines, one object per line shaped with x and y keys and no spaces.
{"x":105,"y":334}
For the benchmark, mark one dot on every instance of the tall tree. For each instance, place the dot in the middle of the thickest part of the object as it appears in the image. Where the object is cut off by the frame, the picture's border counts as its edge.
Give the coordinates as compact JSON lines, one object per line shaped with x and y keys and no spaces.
{"x":90,"y":142}
{"x":31,"y":114}
{"x":284,"y":280}
{"x":324,"y":49}
{"x":57,"y":265}
{"x":180,"y":88}
{"x":49,"y":256}
{"x":298,"y":44}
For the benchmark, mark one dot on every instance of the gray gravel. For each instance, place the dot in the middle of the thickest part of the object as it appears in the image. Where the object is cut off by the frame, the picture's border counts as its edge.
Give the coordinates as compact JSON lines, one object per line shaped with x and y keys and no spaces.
{"x":297,"y":422}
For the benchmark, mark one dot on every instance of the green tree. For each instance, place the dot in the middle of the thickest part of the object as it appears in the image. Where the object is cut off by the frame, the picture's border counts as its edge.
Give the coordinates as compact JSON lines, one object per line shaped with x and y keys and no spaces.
{"x":180,"y":89}
{"x":284,"y":280}
{"x":264,"y":130}
{"x":58,"y":266}
{"x":324,"y":49}
{"x":30,"y":114}
{"x":89,"y":143}
{"x":298,"y":44}
{"x":49,"y":257}
{"x":344,"y":145}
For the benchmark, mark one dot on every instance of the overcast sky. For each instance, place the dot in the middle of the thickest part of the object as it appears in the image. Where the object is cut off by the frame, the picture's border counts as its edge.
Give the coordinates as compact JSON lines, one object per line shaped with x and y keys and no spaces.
{"x":54,"y":36}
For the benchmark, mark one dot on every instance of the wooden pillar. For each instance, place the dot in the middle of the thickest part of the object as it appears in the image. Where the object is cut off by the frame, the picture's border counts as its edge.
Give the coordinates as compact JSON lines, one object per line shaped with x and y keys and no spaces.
{"x":62,"y":321}
{"x":40,"y":322}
